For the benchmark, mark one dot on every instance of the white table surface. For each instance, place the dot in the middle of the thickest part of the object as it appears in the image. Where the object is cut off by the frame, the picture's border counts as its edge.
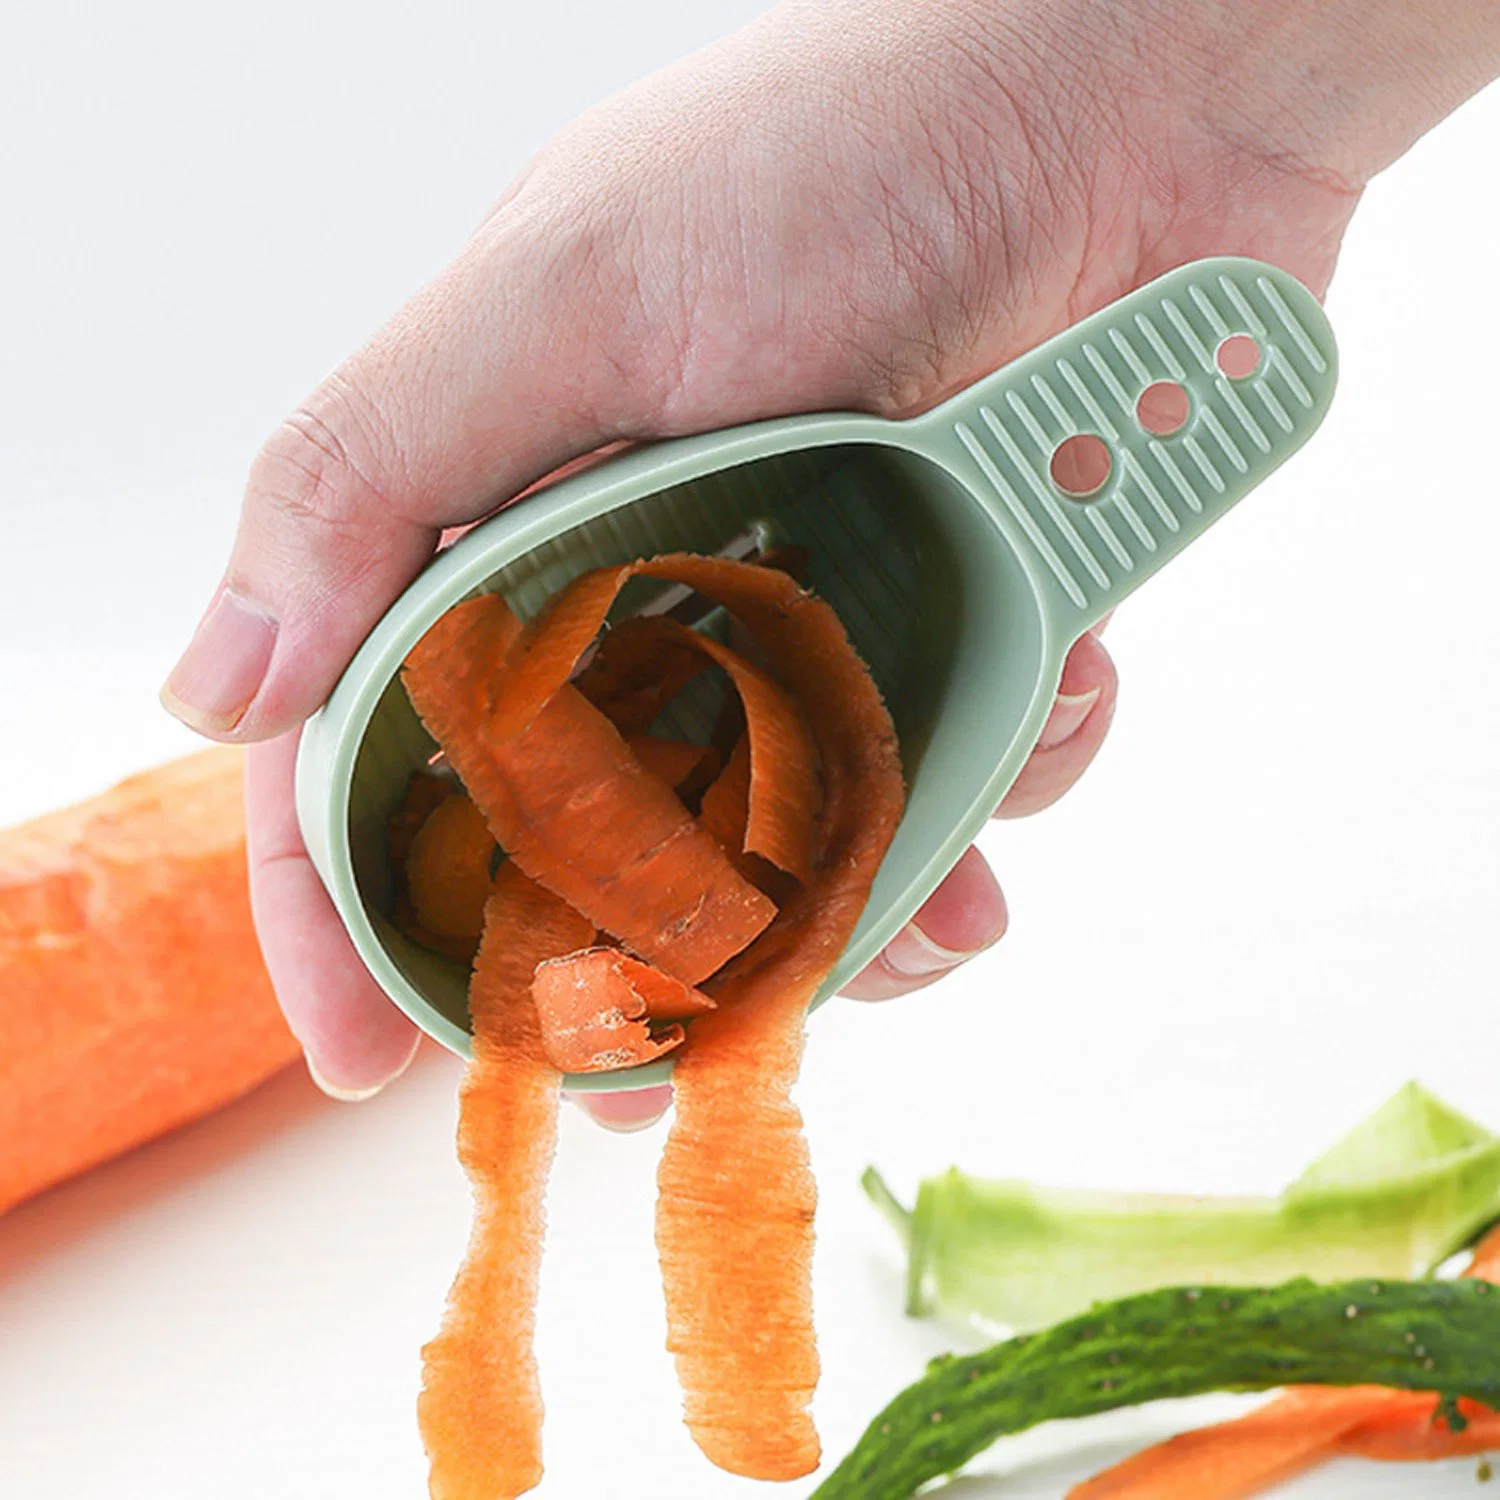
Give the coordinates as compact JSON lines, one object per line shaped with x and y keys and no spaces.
{"x":1272,"y":900}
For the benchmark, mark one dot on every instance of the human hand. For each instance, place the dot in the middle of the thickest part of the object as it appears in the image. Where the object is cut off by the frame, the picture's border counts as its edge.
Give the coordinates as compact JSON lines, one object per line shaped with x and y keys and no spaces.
{"x":845,"y":205}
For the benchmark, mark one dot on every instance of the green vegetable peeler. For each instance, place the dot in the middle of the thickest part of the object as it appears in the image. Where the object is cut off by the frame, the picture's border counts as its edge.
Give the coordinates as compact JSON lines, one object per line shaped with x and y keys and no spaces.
{"x":964,"y":550}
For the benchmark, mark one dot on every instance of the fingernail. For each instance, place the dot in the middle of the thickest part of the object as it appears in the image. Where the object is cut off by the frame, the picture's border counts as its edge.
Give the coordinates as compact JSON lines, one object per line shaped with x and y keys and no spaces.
{"x":913,"y":955}
{"x":223,"y":667}
{"x":337,"y":1091}
{"x":352,"y":1094}
{"x":1067,"y":716}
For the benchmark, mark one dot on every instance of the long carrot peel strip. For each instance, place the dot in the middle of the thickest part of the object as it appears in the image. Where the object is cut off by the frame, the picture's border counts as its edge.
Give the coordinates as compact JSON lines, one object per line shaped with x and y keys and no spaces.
{"x":1238,"y":1458}
{"x":1407,"y":1430}
{"x":442,"y":850}
{"x":448,"y":869}
{"x":1296,"y":1430}
{"x":571,"y":805}
{"x":595,"y":1008}
{"x":734,"y":1214}
{"x":551,"y":645}
{"x":480,"y":1410}
{"x":725,"y":811}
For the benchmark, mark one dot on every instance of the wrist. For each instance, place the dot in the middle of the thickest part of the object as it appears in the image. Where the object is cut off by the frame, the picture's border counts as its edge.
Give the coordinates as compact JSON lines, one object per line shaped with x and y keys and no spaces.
{"x":1337,"y":88}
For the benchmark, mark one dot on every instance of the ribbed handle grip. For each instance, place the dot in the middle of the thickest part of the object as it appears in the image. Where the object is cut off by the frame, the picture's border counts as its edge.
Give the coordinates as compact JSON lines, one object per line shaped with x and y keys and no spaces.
{"x":1087,"y":554}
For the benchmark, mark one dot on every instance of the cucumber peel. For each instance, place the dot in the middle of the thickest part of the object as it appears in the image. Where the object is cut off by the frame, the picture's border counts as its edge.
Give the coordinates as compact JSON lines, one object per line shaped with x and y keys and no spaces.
{"x":1438,"y":1336}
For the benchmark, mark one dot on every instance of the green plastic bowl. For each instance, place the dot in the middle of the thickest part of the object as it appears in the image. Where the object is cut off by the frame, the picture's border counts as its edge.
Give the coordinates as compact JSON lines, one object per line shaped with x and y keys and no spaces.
{"x":955,"y":547}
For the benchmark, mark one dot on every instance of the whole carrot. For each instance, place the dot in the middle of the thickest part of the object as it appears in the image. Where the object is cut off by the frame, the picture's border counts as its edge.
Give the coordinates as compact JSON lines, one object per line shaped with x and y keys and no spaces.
{"x":132,"y":994}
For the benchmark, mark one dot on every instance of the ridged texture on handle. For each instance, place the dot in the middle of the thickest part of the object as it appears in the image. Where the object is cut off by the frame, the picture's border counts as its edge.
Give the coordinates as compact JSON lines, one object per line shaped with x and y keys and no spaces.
{"x":1162,"y":491}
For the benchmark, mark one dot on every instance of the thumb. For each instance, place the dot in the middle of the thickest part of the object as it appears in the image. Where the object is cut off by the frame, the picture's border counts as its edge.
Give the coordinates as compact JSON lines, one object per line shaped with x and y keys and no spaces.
{"x":509,"y":364}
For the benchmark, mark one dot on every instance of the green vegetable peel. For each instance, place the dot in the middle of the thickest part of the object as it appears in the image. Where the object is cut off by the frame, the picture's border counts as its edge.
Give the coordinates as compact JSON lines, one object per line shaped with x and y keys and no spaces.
{"x":1394,"y":1198}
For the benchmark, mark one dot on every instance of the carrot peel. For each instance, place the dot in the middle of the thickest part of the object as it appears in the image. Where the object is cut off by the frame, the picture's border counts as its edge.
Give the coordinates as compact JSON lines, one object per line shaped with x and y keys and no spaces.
{"x":636,"y":864}
{"x":596,"y":1008}
{"x":676,"y":761}
{"x":1241,"y":1457}
{"x":480,"y":1410}
{"x":784,"y":792}
{"x":736,"y":1195}
{"x":641,"y":665}
{"x":806,"y":807}
{"x":1407,"y":1429}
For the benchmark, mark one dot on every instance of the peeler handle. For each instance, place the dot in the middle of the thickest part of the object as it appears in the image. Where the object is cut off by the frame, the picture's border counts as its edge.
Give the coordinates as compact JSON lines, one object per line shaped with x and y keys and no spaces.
{"x":1193,"y":331}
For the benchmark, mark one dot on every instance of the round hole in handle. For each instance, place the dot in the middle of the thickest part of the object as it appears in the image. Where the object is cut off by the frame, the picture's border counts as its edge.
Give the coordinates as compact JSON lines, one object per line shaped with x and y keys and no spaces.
{"x":1080,"y":465}
{"x":1163,"y":408}
{"x":1238,"y":356}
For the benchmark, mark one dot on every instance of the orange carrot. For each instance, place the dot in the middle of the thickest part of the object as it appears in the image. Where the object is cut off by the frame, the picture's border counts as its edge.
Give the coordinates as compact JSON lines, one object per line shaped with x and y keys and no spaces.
{"x":132,"y":994}
{"x":480,"y":1409}
{"x":575,"y":810}
{"x":1300,"y":1428}
{"x":448,"y":869}
{"x":594,"y":1007}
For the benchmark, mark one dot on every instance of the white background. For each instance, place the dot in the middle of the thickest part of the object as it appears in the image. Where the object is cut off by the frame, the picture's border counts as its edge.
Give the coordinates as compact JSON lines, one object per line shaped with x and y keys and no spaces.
{"x":1271,"y":901}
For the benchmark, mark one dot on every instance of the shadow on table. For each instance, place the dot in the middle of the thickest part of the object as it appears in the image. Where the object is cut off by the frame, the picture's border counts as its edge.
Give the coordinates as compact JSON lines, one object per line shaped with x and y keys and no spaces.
{"x":73,"y":1209}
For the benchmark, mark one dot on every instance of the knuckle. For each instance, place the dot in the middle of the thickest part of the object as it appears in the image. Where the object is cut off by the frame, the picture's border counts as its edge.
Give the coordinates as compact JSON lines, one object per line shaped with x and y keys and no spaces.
{"x":319,"y":466}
